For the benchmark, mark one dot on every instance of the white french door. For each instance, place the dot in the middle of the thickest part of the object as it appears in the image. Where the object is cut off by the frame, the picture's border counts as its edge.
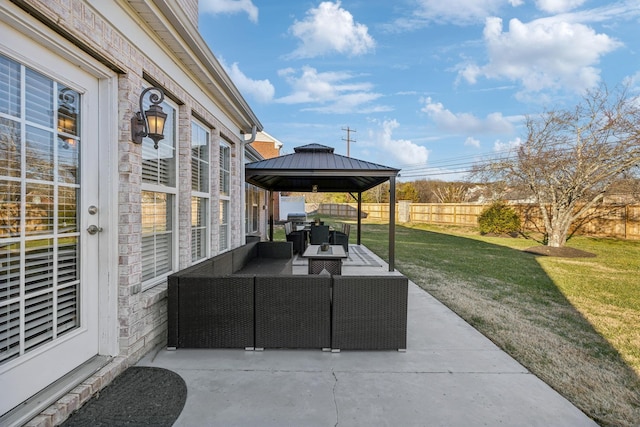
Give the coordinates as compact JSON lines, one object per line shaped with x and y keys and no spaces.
{"x":49,"y":271}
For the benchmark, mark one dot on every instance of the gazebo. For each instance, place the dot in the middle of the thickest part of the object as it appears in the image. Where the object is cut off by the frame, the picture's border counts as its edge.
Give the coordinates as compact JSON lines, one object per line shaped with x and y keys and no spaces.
{"x":316,"y":168}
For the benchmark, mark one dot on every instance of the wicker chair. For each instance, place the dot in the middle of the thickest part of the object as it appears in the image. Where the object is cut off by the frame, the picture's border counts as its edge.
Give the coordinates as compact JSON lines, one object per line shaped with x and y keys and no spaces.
{"x":319,"y":234}
{"x":297,"y":237}
{"x":341,"y":237}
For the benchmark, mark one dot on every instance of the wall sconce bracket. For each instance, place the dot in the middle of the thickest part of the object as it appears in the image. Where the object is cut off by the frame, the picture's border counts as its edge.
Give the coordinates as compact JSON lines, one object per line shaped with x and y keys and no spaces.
{"x":149,"y":123}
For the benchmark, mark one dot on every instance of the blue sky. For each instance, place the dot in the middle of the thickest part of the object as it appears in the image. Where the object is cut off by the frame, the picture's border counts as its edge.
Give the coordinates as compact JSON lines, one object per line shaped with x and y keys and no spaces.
{"x":429,"y":86}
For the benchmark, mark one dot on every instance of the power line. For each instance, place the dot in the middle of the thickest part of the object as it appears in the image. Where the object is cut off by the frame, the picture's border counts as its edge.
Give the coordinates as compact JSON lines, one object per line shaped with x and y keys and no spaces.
{"x":467,"y":164}
{"x":472,"y":158}
{"x":470,"y":166}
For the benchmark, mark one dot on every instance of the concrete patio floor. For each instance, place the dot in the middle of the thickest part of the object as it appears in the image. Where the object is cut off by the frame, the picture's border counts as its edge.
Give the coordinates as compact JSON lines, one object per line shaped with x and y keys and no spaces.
{"x":450,"y":375}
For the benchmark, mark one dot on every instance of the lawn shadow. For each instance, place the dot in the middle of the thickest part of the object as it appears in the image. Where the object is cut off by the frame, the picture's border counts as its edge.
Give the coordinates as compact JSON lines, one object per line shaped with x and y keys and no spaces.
{"x":506,"y":295}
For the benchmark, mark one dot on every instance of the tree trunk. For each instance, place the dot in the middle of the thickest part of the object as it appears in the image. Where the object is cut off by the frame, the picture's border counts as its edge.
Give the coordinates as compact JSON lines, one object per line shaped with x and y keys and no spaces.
{"x":559,"y":230}
{"x":557,"y":239}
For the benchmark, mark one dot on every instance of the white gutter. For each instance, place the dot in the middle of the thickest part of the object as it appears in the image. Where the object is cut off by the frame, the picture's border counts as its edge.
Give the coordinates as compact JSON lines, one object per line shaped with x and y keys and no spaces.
{"x":254,"y":132}
{"x":245,"y":142}
{"x":170,"y":23}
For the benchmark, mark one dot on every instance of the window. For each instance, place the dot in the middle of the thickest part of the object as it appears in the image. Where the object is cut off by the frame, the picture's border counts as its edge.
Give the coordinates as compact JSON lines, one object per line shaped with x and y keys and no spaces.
{"x":252,"y":211}
{"x":252,"y":201}
{"x":159,"y":193}
{"x":225,"y":184}
{"x":39,"y":187}
{"x":199,"y":191}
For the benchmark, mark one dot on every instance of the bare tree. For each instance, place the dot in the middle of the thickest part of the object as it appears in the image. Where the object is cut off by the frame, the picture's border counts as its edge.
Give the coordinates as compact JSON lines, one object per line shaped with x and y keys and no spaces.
{"x":436,"y":191}
{"x":570,"y":158}
{"x":425,"y":190}
{"x":451,"y":193}
{"x":377,"y":194}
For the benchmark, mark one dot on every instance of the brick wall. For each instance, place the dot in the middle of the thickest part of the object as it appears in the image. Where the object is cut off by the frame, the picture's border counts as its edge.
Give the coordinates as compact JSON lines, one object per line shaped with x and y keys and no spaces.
{"x":142,"y":314}
{"x":267,"y":149}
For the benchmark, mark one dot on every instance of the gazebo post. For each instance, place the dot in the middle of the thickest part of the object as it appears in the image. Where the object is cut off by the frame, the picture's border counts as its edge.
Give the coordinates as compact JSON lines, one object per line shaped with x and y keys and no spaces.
{"x":271,"y":215}
{"x":359,"y":220}
{"x":392,"y":223}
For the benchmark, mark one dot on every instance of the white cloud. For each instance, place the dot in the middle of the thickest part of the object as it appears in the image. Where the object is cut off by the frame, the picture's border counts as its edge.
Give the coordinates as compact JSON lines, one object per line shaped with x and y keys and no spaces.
{"x":457,"y":12}
{"x":500,"y":146}
{"x":633,"y":81}
{"x":402,"y":151}
{"x":543,"y":54}
{"x":466,"y":123}
{"x":229,"y":7}
{"x":470,"y":72}
{"x":260,"y":90}
{"x":335,"y":92}
{"x":329,"y":29}
{"x":614,"y":12}
{"x":472,"y":142}
{"x":558,"y":6}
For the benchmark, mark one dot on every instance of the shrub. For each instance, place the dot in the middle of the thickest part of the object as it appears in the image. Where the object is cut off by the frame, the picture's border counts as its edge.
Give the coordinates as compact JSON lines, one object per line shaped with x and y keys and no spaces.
{"x":499,"y":218}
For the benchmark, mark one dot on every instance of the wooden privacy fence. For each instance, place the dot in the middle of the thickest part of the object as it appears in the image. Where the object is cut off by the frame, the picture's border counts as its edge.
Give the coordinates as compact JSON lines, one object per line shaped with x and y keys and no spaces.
{"x":621,"y":221}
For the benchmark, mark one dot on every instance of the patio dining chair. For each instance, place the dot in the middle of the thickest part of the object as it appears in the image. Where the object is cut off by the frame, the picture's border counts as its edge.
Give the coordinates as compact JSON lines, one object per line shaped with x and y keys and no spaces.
{"x":298,"y":237}
{"x":319,"y":234}
{"x":341,"y":237}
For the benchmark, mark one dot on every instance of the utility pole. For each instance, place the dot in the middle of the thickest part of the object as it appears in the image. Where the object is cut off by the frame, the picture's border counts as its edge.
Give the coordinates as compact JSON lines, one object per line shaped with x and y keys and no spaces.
{"x":349,"y":140}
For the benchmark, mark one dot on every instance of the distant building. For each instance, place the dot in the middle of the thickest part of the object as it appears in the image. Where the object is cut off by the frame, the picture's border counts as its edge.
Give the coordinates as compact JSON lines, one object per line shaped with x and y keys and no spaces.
{"x":269,"y":147}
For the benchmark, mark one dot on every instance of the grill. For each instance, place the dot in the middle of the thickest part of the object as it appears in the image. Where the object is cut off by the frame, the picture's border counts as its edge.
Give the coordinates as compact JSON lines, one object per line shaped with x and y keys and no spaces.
{"x":297,"y":218}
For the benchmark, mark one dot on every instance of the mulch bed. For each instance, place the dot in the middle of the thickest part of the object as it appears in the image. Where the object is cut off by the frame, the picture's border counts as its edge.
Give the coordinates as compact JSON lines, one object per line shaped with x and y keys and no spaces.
{"x":563,"y":252}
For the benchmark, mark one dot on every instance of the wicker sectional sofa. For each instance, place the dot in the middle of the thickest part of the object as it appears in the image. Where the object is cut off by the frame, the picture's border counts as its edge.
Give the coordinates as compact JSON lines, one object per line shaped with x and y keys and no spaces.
{"x":249,"y":298}
{"x":211,"y":304}
{"x":369,"y":313}
{"x":293,"y":312}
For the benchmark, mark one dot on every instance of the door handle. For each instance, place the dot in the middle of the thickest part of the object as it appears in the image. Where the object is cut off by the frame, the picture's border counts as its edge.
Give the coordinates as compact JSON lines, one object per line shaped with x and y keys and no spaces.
{"x":93,"y":229}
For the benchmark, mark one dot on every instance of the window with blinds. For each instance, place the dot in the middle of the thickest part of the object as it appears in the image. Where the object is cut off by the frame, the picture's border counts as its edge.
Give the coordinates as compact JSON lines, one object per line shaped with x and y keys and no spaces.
{"x":252,"y":212}
{"x":39,"y":185}
{"x":157,"y":234}
{"x":200,"y":177}
{"x":158,"y":201}
{"x":225,"y":184}
{"x":224,"y":225}
{"x":159,"y":165}
{"x":225,"y":169}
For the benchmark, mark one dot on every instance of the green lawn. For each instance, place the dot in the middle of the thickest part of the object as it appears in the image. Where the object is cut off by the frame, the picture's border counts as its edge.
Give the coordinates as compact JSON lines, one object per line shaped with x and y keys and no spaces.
{"x":574,"y":322}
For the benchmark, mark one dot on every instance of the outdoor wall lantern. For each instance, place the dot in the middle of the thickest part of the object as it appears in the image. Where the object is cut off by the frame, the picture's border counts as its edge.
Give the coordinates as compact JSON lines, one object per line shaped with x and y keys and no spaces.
{"x":67,"y":117}
{"x":151,"y":122}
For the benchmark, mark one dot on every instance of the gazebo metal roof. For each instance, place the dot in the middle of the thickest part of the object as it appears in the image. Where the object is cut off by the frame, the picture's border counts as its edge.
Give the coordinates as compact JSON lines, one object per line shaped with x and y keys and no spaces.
{"x":316,"y":168}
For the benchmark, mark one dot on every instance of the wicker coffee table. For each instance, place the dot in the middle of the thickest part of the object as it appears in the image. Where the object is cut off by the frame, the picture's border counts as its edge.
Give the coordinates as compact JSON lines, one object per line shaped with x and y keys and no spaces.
{"x":330,"y":260}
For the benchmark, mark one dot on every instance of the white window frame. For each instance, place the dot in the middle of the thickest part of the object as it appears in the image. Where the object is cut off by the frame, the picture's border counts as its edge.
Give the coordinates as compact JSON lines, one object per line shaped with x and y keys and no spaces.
{"x":252,"y":209}
{"x":252,"y":199}
{"x":224,"y":198}
{"x":199,"y":130}
{"x":170,"y":142}
{"x":40,"y":48}
{"x":57,"y":271}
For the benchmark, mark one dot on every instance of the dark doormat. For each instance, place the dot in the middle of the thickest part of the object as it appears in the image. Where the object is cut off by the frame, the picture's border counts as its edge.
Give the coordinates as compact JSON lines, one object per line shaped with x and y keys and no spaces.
{"x":140,"y":396}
